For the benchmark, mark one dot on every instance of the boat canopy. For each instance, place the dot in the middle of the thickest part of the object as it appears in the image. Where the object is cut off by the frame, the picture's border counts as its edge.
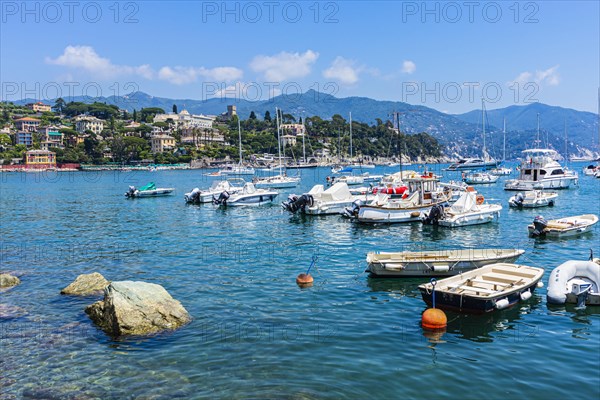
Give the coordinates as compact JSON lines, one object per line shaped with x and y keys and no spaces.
{"x":150,"y":186}
{"x":465,"y":203}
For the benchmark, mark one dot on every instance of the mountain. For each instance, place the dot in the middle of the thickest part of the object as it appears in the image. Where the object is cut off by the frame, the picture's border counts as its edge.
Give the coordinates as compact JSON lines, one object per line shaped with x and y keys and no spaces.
{"x":460,"y":134}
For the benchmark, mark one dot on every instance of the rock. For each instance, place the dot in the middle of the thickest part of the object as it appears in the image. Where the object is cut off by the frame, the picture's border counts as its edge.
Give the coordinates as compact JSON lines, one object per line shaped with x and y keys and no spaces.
{"x":137,"y":308}
{"x":7,"y":280}
{"x":86,"y":284}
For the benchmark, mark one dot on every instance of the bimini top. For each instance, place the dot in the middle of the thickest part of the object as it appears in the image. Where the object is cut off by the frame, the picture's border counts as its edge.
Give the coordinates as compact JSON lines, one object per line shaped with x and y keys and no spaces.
{"x":541,"y":152}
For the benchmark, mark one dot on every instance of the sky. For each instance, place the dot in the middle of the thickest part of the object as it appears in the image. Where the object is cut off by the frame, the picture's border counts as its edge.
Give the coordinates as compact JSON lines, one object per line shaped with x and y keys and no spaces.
{"x":444,"y":55}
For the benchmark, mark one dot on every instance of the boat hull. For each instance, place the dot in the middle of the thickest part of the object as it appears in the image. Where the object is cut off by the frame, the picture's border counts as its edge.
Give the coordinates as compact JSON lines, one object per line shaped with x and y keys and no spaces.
{"x":550,"y":183}
{"x":473,"y":218}
{"x":374,"y":215}
{"x":253,"y":200}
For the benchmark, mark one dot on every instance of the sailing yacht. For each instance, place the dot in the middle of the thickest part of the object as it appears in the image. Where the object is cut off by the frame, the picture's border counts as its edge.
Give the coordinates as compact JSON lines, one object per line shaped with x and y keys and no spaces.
{"x":281,"y":181}
{"x":502,"y":171}
{"x":476,"y":163}
{"x":239,"y":169}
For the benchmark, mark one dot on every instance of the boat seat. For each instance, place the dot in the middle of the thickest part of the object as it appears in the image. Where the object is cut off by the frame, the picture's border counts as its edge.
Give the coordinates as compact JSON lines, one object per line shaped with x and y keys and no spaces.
{"x":476,"y":289}
{"x":513,"y":273}
{"x":497,"y":285}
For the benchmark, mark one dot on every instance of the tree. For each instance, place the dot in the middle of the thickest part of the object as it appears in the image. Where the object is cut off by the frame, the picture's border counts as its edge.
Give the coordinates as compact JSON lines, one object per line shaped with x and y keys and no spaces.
{"x":268,"y":116}
{"x":147,"y":114}
{"x":174,"y":108}
{"x":252,"y":115}
{"x":134,"y":115}
{"x":125,"y":115}
{"x":59,"y":105}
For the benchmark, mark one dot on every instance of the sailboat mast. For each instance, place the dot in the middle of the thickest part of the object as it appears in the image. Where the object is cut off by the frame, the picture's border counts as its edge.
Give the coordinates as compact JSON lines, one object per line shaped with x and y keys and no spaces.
{"x":278,"y":139}
{"x":483,"y":126}
{"x":538,"y":130}
{"x":399,"y":144}
{"x":303,"y":147}
{"x":240,"y":139}
{"x":566,"y":144}
{"x":504,"y":142}
{"x":350,"y":136}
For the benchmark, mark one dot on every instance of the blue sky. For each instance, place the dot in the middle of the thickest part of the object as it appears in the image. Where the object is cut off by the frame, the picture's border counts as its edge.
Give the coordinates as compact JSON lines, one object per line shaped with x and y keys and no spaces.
{"x":445,"y":55}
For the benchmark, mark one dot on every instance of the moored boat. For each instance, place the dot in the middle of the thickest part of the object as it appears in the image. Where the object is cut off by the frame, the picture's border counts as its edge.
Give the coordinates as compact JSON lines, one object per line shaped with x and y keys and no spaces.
{"x":319,"y":201}
{"x":150,"y":190}
{"x":198,"y":196}
{"x":533,"y":199}
{"x":563,"y":227}
{"x":575,"y":282}
{"x":540,"y":170}
{"x":436,"y":263}
{"x":479,"y":178}
{"x":491,"y":287}
{"x":469,"y":209}
{"x":248,"y":196}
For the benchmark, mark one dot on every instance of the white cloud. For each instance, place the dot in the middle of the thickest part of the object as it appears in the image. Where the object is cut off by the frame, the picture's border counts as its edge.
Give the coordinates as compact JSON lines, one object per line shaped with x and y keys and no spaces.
{"x":342,"y":70}
{"x":548,"y":77}
{"x":184,"y":75}
{"x":408,"y":67}
{"x":284,"y":66}
{"x":86,"y":58}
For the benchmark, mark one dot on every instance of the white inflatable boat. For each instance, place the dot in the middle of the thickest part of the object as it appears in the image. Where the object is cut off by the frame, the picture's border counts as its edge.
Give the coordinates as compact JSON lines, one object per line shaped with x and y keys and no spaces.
{"x":575,"y":282}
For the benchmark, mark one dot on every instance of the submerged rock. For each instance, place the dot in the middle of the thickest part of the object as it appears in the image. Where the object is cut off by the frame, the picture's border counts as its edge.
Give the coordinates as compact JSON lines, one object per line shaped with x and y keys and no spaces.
{"x":7,"y":280}
{"x":86,"y":284}
{"x":137,"y":308}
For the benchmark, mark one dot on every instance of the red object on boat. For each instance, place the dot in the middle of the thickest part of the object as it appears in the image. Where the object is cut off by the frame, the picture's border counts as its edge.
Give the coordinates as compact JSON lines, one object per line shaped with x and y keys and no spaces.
{"x":391,"y":190}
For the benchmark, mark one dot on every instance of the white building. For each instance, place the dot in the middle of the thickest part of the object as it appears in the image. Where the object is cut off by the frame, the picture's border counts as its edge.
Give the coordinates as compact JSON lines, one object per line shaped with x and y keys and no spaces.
{"x":87,"y":122}
{"x":186,"y":120}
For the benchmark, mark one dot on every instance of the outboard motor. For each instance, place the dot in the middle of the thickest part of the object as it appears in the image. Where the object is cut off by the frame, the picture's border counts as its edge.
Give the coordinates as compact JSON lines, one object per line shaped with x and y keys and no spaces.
{"x":434,"y":215}
{"x":539,"y":224}
{"x":193,"y":196}
{"x":130,"y":192}
{"x":222,"y":199}
{"x":581,"y":289}
{"x":519,"y":198}
{"x":352,"y":212}
{"x":295,"y":203}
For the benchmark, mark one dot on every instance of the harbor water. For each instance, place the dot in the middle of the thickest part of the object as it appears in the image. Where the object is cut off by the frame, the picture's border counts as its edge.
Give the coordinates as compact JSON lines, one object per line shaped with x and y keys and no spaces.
{"x":255,"y":333}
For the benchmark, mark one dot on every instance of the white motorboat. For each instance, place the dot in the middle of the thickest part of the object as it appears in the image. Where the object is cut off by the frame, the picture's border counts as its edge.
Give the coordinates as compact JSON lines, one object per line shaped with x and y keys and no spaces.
{"x":424,"y":194}
{"x":436,"y":263}
{"x":576,"y":282}
{"x":277,"y":182}
{"x":491,"y":287}
{"x":150,"y":190}
{"x":591,"y":170}
{"x":479,"y":178}
{"x":198,"y":196}
{"x":349,"y":180}
{"x":563,"y":227}
{"x":471,"y":163}
{"x":319,"y":201}
{"x":248,"y":196}
{"x":533,"y":199}
{"x":469,"y":209}
{"x":540,"y":170}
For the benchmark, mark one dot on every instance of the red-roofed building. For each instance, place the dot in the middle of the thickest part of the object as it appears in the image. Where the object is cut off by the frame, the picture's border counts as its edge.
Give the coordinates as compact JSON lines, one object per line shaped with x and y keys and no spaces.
{"x":27,"y":124}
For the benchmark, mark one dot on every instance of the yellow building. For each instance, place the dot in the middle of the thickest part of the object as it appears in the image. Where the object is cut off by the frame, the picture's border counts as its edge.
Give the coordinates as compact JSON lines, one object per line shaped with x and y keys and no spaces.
{"x":40,"y":159}
{"x":161,"y":143}
{"x":39,"y":107}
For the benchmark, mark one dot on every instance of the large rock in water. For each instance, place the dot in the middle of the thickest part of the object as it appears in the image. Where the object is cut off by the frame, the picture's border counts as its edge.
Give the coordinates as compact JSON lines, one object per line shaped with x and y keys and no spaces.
{"x":86,"y":284}
{"x":7,"y":280}
{"x":137,"y":308}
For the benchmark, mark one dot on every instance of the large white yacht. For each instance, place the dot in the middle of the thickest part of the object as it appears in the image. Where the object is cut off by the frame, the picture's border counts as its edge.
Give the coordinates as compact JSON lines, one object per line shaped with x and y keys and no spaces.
{"x":472,"y":163}
{"x":540,"y":170}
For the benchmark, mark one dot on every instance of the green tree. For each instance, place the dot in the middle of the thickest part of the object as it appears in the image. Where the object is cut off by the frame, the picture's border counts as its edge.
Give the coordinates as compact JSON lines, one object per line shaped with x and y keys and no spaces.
{"x":174,"y":108}
{"x":252,"y":115}
{"x":268,"y":116}
{"x":125,"y":116}
{"x":135,"y":115}
{"x":59,"y":105}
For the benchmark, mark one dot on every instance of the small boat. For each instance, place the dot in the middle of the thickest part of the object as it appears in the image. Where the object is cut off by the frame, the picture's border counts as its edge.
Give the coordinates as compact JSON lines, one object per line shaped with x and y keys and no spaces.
{"x":469,"y":209}
{"x":231,"y":186}
{"x":590,"y":170}
{"x":281,"y":181}
{"x":478,"y":178}
{"x":563,"y":227}
{"x":436,"y":263}
{"x":319,"y":201}
{"x":248,"y":196}
{"x":471,"y":163}
{"x":575,"y":282}
{"x":534,"y":199}
{"x":150,"y":190}
{"x":491,"y":287}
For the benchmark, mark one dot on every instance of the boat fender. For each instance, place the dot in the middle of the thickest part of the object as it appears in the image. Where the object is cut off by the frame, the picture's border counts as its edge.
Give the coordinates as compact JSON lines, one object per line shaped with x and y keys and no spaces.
{"x":502,"y":304}
{"x":441,"y":268}
{"x":526,"y":295}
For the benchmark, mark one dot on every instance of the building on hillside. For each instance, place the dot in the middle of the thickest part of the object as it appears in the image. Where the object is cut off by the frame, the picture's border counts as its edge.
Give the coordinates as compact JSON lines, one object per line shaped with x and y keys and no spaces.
{"x":24,"y":137}
{"x":288,"y":140}
{"x":185,"y":120}
{"x":51,"y":137}
{"x":39,"y":107}
{"x":40,"y":159}
{"x":197,"y":137}
{"x":27,"y":124}
{"x":293,"y":129}
{"x":162,"y":143}
{"x":85,"y":123}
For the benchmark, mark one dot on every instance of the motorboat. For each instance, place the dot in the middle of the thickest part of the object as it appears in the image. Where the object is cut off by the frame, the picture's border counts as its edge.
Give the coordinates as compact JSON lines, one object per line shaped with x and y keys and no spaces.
{"x":591,"y":170}
{"x":281,"y":181}
{"x":575,"y":282}
{"x":471,"y":163}
{"x":469,"y":209}
{"x":346,"y":177}
{"x":423,"y":195}
{"x":436,"y":263}
{"x":533,"y":199}
{"x":501,"y":171}
{"x":231,"y":186}
{"x":540,"y":170}
{"x":563,"y":227}
{"x":478,"y":178}
{"x":489,"y":288}
{"x":150,"y":190}
{"x":319,"y":201}
{"x":248,"y":196}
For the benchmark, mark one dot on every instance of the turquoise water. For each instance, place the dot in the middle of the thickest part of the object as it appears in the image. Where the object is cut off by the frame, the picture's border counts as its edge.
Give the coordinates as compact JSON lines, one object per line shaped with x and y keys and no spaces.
{"x":255,"y":334}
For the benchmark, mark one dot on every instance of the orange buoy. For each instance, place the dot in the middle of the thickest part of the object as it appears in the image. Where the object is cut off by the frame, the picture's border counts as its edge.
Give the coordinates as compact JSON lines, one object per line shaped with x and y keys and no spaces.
{"x":304,"y":280}
{"x":480,"y":199}
{"x":434,"y":319}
